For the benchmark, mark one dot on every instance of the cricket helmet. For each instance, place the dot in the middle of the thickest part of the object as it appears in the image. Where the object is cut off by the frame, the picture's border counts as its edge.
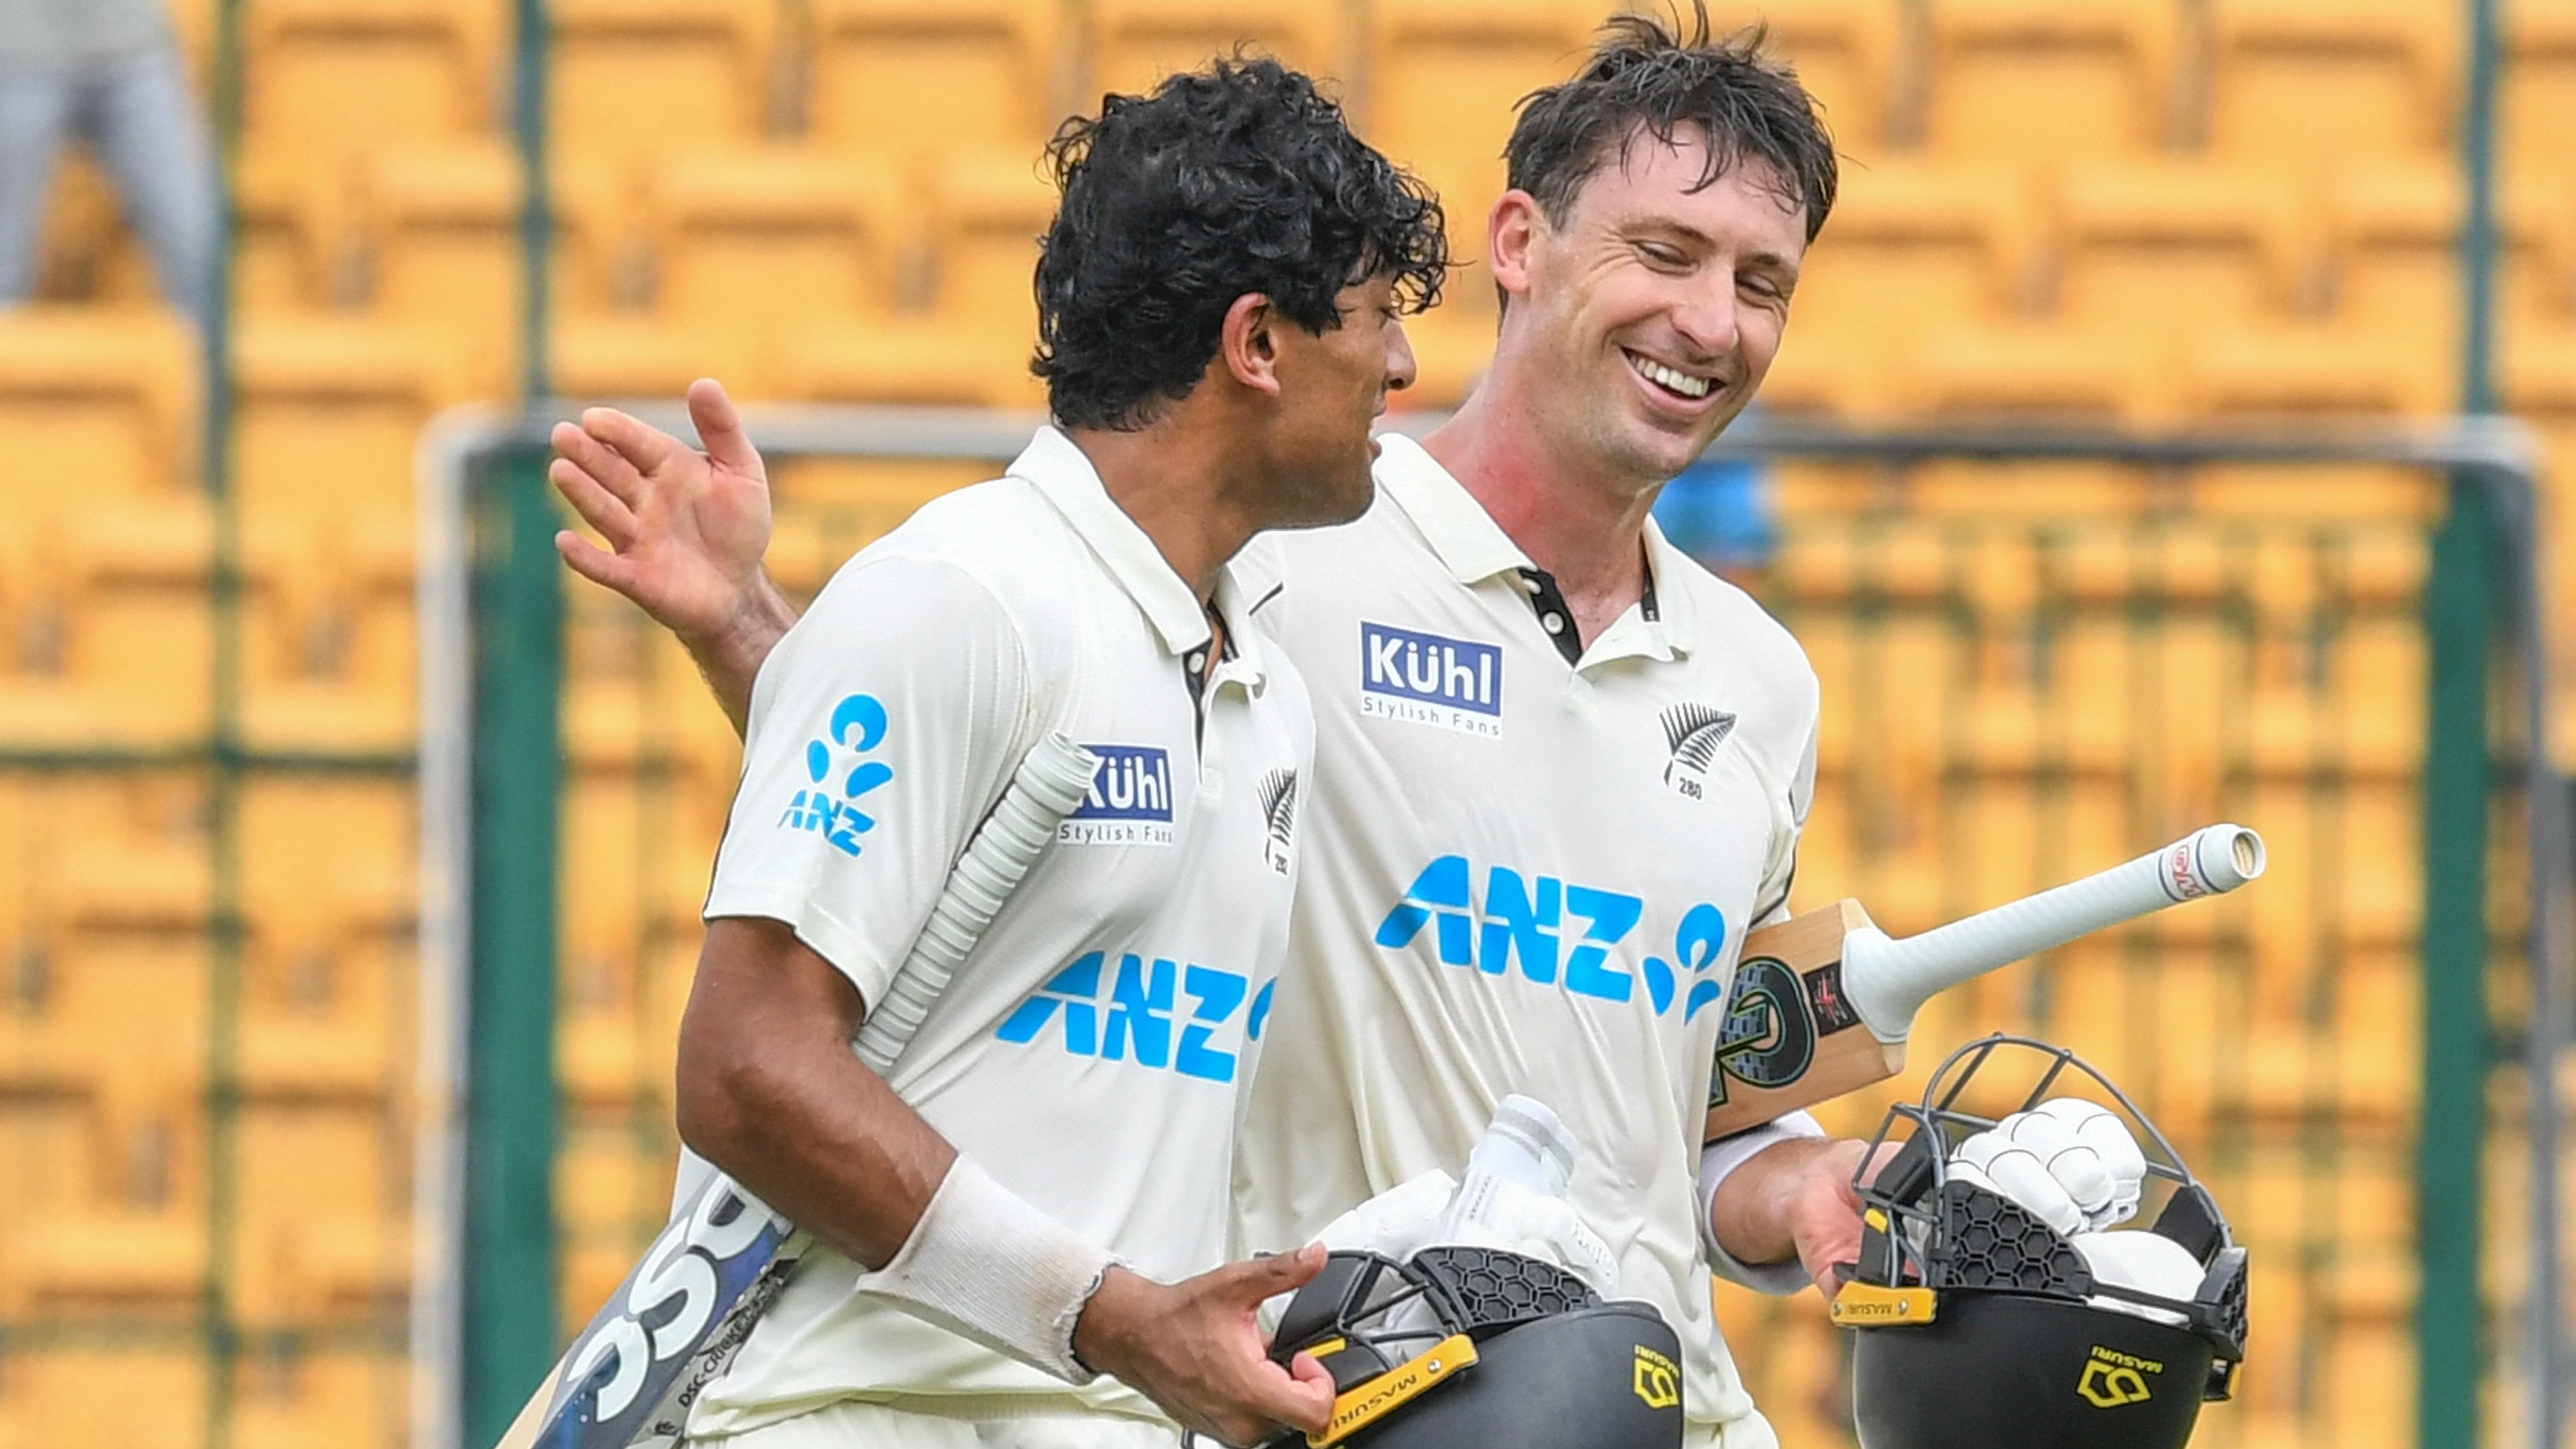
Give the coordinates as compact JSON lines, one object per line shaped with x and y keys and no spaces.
{"x":1476,"y":1348}
{"x":1979,"y":1325}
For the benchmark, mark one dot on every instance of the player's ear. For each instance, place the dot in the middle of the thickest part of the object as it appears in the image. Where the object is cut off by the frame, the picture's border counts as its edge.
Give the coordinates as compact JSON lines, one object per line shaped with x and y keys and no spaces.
{"x":1248,"y":344}
{"x":1512,"y":232}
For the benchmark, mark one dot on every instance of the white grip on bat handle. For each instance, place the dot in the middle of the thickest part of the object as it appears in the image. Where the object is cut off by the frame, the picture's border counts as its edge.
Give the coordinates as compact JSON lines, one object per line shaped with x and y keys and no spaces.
{"x":1888,"y":980}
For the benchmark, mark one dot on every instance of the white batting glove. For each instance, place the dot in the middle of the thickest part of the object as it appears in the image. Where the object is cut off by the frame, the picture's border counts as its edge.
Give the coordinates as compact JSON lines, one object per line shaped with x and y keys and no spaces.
{"x":2147,"y":1262}
{"x":1396,"y":1223}
{"x":2069,"y":1163}
{"x":1537,"y":1225}
{"x":2101,"y":1129}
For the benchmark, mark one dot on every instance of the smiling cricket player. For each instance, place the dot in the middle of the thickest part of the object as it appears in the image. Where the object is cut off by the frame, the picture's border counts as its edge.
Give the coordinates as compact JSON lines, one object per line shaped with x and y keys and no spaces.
{"x":1561,"y":768}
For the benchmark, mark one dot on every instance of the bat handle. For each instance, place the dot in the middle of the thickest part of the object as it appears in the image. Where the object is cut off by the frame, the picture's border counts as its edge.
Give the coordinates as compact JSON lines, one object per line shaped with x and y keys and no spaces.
{"x":1888,"y":980}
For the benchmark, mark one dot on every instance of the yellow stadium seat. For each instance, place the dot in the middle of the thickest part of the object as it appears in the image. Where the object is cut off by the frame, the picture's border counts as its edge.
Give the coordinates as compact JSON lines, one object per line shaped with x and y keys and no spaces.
{"x":2396,"y":246}
{"x":139,"y":581}
{"x":2312,"y":372}
{"x":330,"y":410}
{"x":1135,"y":43}
{"x":329,"y":876}
{"x":300,"y":1396}
{"x":448,"y":256}
{"x":2154,"y":255}
{"x":614,"y":357}
{"x":1444,"y":76}
{"x":2025,"y":82}
{"x":329,"y":80}
{"x":987,"y":217}
{"x":125,"y":851}
{"x":159,"y":1397}
{"x":635,"y":81}
{"x":908,"y":80}
{"x":911,"y":360}
{"x":294,"y":239}
{"x":85,"y":625}
{"x":2028,"y":372}
{"x":602,"y":247}
{"x":2539,"y":79}
{"x":93,"y":407}
{"x":1909,"y":252}
{"x":2317,"y":84}
{"x":767,"y":244}
{"x":1844,"y":52}
{"x":308,"y":1171}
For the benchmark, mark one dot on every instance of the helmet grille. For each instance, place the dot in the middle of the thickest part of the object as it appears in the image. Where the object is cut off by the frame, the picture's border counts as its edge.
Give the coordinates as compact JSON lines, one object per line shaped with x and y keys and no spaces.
{"x":1995,"y":1244}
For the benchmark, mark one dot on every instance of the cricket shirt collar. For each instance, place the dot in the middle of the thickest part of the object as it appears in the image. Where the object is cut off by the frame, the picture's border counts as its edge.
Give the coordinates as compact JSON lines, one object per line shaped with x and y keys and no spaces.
{"x":1065,"y":476}
{"x":1474,"y":548}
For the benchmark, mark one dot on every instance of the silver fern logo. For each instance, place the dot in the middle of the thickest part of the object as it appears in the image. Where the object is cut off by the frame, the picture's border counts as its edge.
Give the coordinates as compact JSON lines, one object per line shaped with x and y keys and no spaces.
{"x":1279,"y":814}
{"x":1693,"y":732}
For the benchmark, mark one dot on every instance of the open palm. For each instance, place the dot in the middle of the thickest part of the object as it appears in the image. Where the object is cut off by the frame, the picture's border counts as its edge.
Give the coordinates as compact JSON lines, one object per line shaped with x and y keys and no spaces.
{"x":685,"y":529}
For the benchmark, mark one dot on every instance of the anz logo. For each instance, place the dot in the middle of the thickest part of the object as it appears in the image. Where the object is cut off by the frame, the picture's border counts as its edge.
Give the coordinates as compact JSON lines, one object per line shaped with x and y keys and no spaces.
{"x":1558,"y":934}
{"x":1455,"y":684}
{"x":1136,"y":1014}
{"x":1130,"y":801}
{"x":828,"y":806}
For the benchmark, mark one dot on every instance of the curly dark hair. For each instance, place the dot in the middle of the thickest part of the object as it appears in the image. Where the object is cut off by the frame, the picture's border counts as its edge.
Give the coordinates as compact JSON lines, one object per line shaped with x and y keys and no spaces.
{"x":1647,"y":77}
{"x":1238,"y":178}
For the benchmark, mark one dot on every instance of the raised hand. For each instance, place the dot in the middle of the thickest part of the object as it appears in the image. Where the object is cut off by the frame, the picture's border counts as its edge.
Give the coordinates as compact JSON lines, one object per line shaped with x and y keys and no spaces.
{"x":1195,"y":1348}
{"x":685,"y":531}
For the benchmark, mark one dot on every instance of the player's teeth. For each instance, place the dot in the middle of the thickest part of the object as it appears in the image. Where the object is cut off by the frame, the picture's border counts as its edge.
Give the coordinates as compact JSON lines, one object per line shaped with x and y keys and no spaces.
{"x":1678,"y":381}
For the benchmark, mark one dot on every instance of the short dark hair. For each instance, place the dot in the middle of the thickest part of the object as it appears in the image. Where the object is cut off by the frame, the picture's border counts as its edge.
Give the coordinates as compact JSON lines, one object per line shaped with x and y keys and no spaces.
{"x":1238,"y":178}
{"x":1646,"y":77}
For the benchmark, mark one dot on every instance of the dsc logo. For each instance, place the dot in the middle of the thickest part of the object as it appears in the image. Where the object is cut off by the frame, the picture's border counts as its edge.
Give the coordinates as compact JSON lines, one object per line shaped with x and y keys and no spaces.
{"x":1137,"y":1020}
{"x":693,"y":1273}
{"x":1557,"y":932}
{"x":1427,"y":679}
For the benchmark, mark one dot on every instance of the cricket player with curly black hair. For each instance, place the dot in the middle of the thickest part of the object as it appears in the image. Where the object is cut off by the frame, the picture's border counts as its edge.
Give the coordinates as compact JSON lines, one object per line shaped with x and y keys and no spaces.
{"x":1017,"y":1243}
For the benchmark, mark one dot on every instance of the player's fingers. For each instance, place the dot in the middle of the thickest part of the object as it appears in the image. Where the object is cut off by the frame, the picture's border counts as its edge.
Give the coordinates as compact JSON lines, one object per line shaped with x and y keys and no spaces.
{"x":1302,"y":1400}
{"x":647,"y":447}
{"x":1250,"y":1282}
{"x":597,"y":506}
{"x":720,"y":427}
{"x":594,"y":563}
{"x":584,"y":450}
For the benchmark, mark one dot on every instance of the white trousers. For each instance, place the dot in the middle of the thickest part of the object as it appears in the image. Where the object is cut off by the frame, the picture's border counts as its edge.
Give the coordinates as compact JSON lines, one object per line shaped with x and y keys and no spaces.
{"x":854,"y":1425}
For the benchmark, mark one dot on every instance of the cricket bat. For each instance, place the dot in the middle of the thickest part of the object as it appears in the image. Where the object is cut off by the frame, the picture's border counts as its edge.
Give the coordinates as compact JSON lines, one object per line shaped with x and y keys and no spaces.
{"x":1822,"y":1002}
{"x":675,"y":1324}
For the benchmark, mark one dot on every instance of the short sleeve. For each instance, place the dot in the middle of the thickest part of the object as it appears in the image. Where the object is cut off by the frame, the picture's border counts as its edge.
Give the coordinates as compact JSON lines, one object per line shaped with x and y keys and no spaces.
{"x":882,"y":727}
{"x":1771,"y":904}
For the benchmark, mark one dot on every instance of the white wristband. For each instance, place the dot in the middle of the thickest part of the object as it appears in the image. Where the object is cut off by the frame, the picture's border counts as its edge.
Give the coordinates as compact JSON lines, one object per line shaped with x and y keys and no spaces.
{"x":984,"y":1263}
{"x":1720,"y":1158}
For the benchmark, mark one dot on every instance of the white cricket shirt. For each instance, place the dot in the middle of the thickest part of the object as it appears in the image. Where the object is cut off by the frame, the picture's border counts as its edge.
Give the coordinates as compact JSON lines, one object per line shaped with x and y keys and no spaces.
{"x":1533,"y":868}
{"x":1088,"y":1052}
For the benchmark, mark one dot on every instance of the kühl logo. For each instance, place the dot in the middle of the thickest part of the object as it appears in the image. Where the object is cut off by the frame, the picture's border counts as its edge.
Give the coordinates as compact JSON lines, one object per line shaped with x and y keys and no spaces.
{"x":1525,"y":917}
{"x":858,"y":725}
{"x":1142,"y":1010}
{"x":1130,"y":800}
{"x":1427,"y":679}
